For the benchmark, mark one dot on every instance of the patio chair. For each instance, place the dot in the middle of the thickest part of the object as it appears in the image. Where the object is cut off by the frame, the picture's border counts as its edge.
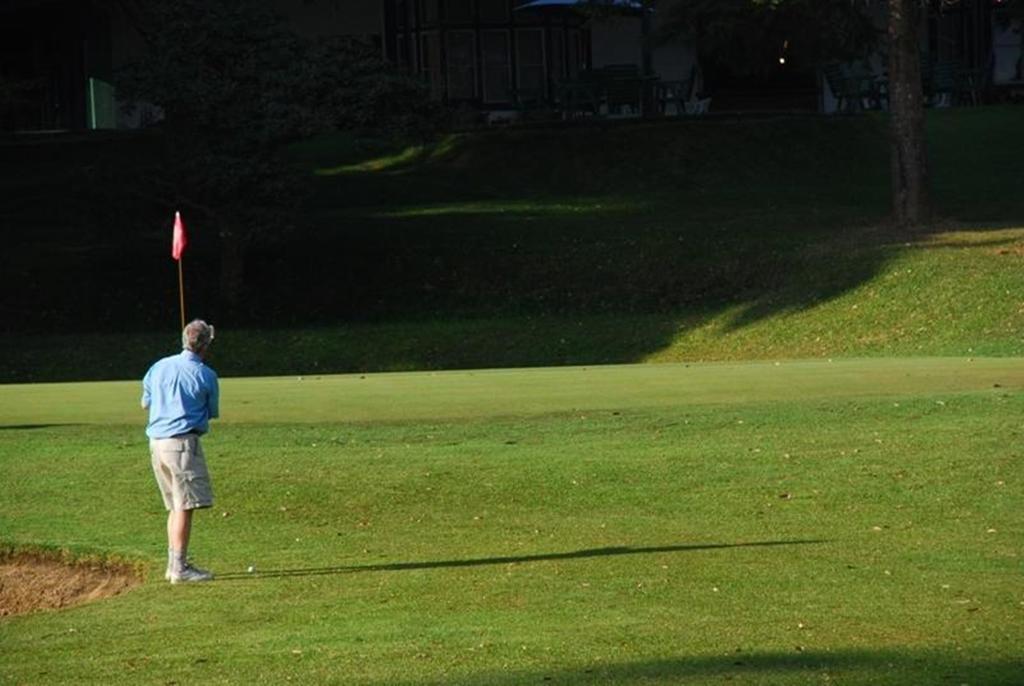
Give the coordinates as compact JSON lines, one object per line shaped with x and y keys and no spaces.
{"x":949,"y":82}
{"x":854,"y":88}
{"x":674,"y":95}
{"x":940,"y":82}
{"x":530,"y":103}
{"x":621,"y":88}
{"x":579,"y":97}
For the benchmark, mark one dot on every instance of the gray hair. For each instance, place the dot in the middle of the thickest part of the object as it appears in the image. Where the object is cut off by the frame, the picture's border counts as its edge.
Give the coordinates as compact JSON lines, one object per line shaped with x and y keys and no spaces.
{"x":197,"y":336}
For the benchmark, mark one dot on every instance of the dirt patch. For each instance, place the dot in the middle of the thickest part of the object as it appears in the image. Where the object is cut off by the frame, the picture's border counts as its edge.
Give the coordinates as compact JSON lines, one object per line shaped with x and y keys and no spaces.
{"x":30,"y":582}
{"x":1017,"y":250}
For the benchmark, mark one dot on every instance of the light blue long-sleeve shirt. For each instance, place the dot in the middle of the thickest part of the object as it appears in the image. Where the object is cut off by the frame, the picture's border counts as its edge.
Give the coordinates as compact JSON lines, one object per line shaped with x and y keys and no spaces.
{"x":182,"y":396}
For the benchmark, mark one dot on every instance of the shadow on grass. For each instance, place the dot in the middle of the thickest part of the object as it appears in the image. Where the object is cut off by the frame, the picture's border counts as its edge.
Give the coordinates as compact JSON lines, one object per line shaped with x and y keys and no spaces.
{"x":33,"y":427}
{"x":512,"y":559}
{"x":666,"y":227}
{"x":659,"y":270}
{"x":861,"y":666}
{"x":476,"y":290}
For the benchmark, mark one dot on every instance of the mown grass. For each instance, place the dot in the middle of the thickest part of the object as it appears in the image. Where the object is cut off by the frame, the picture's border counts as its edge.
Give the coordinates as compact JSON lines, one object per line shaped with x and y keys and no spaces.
{"x":747,"y":523}
{"x":957,"y":293}
{"x":784,"y":522}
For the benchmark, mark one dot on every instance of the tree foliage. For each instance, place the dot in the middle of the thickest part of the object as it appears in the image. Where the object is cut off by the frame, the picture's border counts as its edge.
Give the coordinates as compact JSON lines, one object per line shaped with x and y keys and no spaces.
{"x":236,"y":88}
{"x":16,"y":94}
{"x":749,"y":35}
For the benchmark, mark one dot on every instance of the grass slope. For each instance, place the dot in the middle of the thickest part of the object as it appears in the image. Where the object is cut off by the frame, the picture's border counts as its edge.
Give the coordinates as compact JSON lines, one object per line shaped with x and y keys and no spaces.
{"x":856,"y":522}
{"x":688,"y":240}
{"x":957,"y":293}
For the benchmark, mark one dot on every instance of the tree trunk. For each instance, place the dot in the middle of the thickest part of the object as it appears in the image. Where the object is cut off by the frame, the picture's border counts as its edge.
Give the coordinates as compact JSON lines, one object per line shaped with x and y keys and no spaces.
{"x":909,"y":156}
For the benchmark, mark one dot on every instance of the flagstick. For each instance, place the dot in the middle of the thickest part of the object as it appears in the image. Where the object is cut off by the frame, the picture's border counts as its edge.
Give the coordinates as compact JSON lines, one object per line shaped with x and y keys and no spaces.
{"x":181,"y":294}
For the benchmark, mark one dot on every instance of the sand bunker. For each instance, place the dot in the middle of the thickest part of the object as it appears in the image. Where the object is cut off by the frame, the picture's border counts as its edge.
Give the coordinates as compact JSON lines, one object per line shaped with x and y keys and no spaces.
{"x":31,"y":581}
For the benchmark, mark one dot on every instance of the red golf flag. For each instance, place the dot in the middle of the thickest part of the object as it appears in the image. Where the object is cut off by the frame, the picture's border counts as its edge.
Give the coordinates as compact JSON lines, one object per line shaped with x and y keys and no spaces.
{"x":179,"y":241}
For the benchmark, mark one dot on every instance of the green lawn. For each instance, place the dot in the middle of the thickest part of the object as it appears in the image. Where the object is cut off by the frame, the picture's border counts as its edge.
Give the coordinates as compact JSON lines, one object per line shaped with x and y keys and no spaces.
{"x":698,"y":239}
{"x":855,"y":522}
{"x":955,"y":293}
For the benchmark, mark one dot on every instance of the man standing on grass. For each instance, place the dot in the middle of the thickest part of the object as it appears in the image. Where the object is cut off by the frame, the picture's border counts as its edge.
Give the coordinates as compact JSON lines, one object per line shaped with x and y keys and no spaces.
{"x":182,"y":396}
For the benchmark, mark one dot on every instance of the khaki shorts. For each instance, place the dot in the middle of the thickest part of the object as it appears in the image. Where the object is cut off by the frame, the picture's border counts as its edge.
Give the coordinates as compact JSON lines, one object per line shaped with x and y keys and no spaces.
{"x":180,"y":469}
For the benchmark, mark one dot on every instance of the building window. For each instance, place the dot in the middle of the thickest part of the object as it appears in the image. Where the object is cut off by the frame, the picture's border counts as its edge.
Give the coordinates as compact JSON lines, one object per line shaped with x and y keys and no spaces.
{"x":430,"y":62}
{"x":556,"y":56}
{"x":401,"y":51}
{"x":576,"y":57}
{"x":530,"y":60}
{"x":497,"y":76}
{"x":401,"y":14}
{"x":460,"y":57}
{"x":429,"y":12}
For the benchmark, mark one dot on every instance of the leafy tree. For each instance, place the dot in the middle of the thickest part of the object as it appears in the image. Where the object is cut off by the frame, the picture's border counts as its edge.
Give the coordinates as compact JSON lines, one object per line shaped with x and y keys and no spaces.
{"x":749,"y":33}
{"x":235,"y":89}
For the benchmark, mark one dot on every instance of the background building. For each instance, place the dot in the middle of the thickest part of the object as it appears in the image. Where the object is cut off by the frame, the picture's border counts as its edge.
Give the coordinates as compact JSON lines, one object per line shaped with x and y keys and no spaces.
{"x":58,"y":57}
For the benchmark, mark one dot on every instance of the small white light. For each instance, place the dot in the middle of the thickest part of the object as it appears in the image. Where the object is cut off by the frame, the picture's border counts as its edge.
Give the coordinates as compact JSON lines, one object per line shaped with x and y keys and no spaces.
{"x":782,"y":60}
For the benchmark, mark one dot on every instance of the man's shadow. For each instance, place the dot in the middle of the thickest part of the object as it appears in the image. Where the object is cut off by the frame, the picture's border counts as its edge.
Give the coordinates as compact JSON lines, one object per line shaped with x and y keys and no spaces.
{"x":511,"y":559}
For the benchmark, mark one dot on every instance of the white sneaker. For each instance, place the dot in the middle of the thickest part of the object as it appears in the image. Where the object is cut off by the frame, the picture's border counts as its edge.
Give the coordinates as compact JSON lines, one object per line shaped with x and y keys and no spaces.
{"x":189,"y":574}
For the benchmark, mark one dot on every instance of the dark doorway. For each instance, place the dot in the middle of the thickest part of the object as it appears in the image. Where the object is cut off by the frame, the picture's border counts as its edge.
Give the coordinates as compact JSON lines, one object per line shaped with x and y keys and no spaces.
{"x":779,"y":87}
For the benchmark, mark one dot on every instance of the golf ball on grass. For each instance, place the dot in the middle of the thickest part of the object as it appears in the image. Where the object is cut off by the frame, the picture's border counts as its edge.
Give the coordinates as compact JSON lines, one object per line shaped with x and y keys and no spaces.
{"x":251,"y":569}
